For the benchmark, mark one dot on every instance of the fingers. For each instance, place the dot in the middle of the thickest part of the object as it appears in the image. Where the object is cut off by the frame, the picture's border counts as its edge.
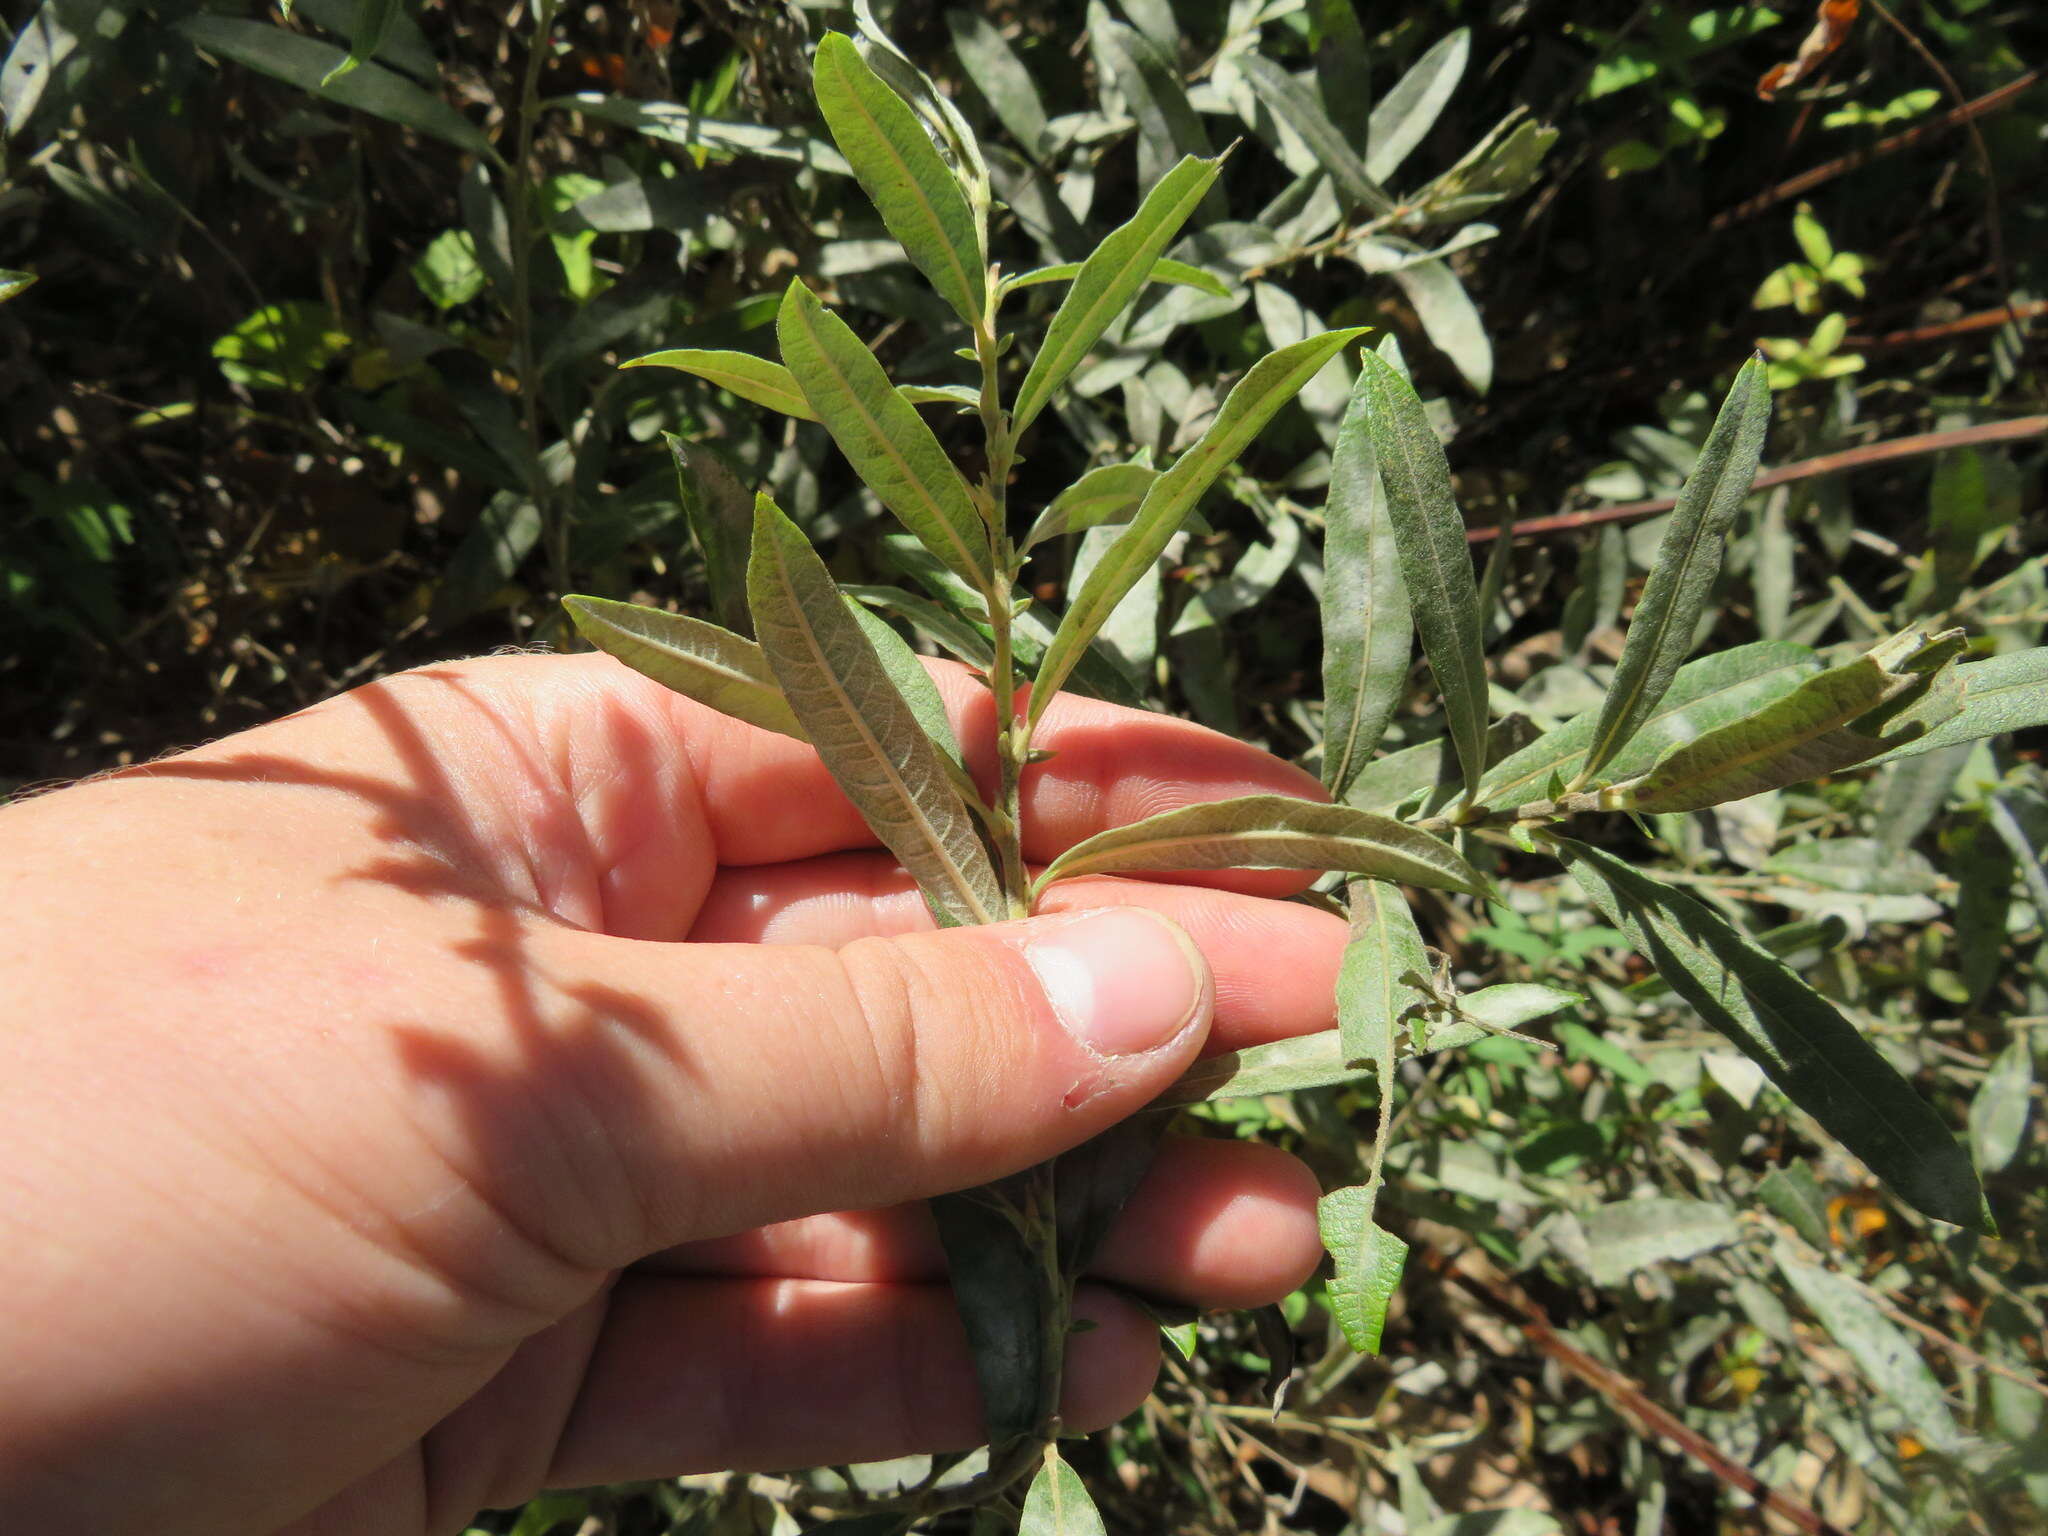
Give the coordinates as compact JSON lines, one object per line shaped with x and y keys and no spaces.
{"x":693,"y":1089}
{"x":1275,"y":963}
{"x":1214,"y":1224}
{"x":696,"y":1375}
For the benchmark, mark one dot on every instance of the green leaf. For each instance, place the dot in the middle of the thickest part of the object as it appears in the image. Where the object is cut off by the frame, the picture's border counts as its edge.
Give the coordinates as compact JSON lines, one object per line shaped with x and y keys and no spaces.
{"x":365,"y":36}
{"x":1378,"y":984}
{"x":1368,"y":629}
{"x":1092,"y":1183}
{"x":1629,"y":1235}
{"x":700,"y":661}
{"x":999,"y":1283}
{"x":1682,"y":576}
{"x":307,"y":64}
{"x":1058,"y":1503}
{"x":2005,"y":694}
{"x":1882,"y":1350}
{"x":1704,"y":694}
{"x":1343,"y":67}
{"x":1163,"y":270}
{"x":673,"y":124}
{"x":867,"y":735}
{"x":881,"y":433}
{"x":1271,"y":832}
{"x":1291,"y":102}
{"x":1500,"y":166}
{"x":1272,"y":382}
{"x":1794,"y":1196}
{"x":721,"y":518}
{"x":934,"y":621}
{"x":1405,"y":114}
{"x":1436,"y":562}
{"x":1000,"y":76}
{"x":1803,"y":1044}
{"x":740,"y":373}
{"x":1367,"y":1260}
{"x":13,"y":284}
{"x":899,"y":168}
{"x":910,"y":678}
{"x":1430,"y":768}
{"x":1109,"y":493}
{"x":1449,"y":318}
{"x":487,"y":559}
{"x":448,"y":272}
{"x":1151,"y":85}
{"x":1998,"y":1112}
{"x":1892,"y":694}
{"x":940,"y":394}
{"x":1108,"y":280}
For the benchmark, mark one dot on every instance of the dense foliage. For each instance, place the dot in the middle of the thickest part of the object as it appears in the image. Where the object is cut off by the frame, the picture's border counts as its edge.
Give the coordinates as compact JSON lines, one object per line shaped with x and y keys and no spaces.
{"x":319,"y":378}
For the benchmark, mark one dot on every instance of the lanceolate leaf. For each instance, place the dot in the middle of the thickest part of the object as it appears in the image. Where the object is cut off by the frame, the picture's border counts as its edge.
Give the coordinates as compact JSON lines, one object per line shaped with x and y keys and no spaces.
{"x":881,"y":433}
{"x":365,"y":36}
{"x":1271,"y":832}
{"x":866,"y":734}
{"x":1705,"y":694}
{"x":1001,"y":76}
{"x":2007,"y":693}
{"x":750,"y":377}
{"x":1058,"y":1503}
{"x":1661,"y":635}
{"x":1893,"y":694}
{"x":699,"y":660}
{"x":1163,"y":271}
{"x":1429,"y":536}
{"x":910,"y":678}
{"x":1109,"y":493}
{"x":999,"y":1287}
{"x":1273,"y":381}
{"x":900,"y":170}
{"x":1407,"y":112}
{"x":1805,"y":1046}
{"x":1366,"y":1260}
{"x":1108,"y":280}
{"x":1292,"y":103}
{"x":1379,"y":983}
{"x":1429,"y":768}
{"x":1368,"y":630}
{"x":721,"y":518}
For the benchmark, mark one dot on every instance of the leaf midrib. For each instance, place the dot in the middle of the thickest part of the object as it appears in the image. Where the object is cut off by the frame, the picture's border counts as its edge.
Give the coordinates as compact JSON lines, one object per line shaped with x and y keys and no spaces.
{"x":1808,"y":733}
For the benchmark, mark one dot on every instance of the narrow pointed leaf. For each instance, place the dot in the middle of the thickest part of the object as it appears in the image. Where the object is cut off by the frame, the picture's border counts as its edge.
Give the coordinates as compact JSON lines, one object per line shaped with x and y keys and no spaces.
{"x":1436,"y":562}
{"x":365,"y":35}
{"x":1404,"y":116}
{"x":1627,"y":1235}
{"x":1802,"y":1042}
{"x":1108,"y":280}
{"x":1377,"y":987}
{"x":1429,"y":769}
{"x":1367,"y":1262}
{"x":999,"y":1289}
{"x":940,"y":394}
{"x":1660,"y":636}
{"x":1058,"y":1503}
{"x":741,"y":373}
{"x":700,"y":661}
{"x":721,"y":519}
{"x":1109,"y":493}
{"x":1272,"y":382}
{"x":881,"y":433}
{"x":1163,"y":271}
{"x":1271,"y":832}
{"x":1292,"y":103}
{"x":909,"y":676}
{"x":1368,"y":629}
{"x":1704,"y":694}
{"x":1895,"y":693}
{"x":902,"y":173}
{"x":1001,"y":77}
{"x":867,"y":735}
{"x":2005,"y":694}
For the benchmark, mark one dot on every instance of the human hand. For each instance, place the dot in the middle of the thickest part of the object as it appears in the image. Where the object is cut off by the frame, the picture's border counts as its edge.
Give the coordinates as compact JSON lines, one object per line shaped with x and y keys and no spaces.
{"x":372,"y":1155}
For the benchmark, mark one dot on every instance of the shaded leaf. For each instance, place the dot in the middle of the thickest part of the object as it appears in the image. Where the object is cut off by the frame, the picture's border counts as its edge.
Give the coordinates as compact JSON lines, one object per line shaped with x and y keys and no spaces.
{"x":721,"y":519}
{"x":1109,"y":493}
{"x":999,"y":1286}
{"x":1449,"y":318}
{"x":863,"y":729}
{"x":910,"y":678}
{"x":1795,"y":1197}
{"x":740,"y":373}
{"x":1108,"y":280}
{"x":1628,"y":1235}
{"x":2005,"y":694}
{"x":1430,"y":768}
{"x":1500,"y":166}
{"x":1378,"y":984}
{"x":1407,"y":112}
{"x":881,"y":433}
{"x":1998,"y":1112}
{"x":1271,"y":383}
{"x":1291,"y":102}
{"x":365,"y":35}
{"x":1681,"y":580}
{"x":488,"y":557}
{"x":698,"y":660}
{"x":899,"y":168}
{"x":1814,"y":1055}
{"x":1271,"y":832}
{"x":674,"y":124}
{"x":1058,"y":1503}
{"x":1150,"y":82}
{"x":1093,"y":1182}
{"x":1000,"y":76}
{"x":1436,"y":562}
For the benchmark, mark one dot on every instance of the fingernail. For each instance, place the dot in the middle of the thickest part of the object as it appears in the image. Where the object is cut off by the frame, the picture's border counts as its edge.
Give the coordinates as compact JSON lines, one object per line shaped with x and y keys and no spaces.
{"x":1123,"y":981}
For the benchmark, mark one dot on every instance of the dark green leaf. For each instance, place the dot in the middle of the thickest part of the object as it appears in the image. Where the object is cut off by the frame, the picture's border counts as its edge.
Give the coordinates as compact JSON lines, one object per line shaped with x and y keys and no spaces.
{"x":721,"y":519}
{"x":999,"y":1285}
{"x":673,"y":124}
{"x":1682,"y":577}
{"x":1436,"y":562}
{"x":881,"y":433}
{"x":899,"y":168}
{"x":1343,"y":67}
{"x":1271,"y":832}
{"x":1271,"y":383}
{"x":488,"y":557}
{"x":1093,"y":1183}
{"x":1163,"y":271}
{"x":698,"y":660}
{"x":365,"y":35}
{"x":741,"y":373}
{"x":865,"y":732}
{"x":1805,"y":1046}
{"x":1368,"y":630}
{"x":1151,"y":84}
{"x":1000,"y":76}
{"x":1430,"y":768}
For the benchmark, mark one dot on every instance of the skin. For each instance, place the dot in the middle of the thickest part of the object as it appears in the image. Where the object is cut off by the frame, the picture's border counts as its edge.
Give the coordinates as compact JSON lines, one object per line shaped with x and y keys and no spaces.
{"x":511,"y":1075}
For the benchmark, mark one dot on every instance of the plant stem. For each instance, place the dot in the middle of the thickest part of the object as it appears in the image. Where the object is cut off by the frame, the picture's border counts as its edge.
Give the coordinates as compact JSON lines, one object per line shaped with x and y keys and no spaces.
{"x":1011,"y":747}
{"x":519,"y":218}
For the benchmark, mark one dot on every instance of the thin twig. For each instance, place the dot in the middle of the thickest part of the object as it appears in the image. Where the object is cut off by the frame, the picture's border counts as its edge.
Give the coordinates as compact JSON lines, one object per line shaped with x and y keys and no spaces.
{"x":1983,"y":320}
{"x":2017,"y":430}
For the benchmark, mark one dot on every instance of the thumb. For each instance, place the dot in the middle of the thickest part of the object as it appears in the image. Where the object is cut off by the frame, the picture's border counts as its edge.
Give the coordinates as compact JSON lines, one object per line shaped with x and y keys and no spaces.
{"x":774,"y":1081}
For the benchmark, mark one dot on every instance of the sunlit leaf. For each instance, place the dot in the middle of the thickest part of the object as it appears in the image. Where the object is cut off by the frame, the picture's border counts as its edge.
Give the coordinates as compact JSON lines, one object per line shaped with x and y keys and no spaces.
{"x":2005,"y":694}
{"x":740,"y":373}
{"x":1998,"y":1112}
{"x":674,"y":124}
{"x":1627,"y":1235}
{"x":700,"y":661}
{"x":1291,"y":102}
{"x":1366,"y":1260}
{"x":1163,"y":271}
{"x":865,"y":732}
{"x":1449,"y":318}
{"x":1802,"y":1042}
{"x":910,"y":677}
{"x":1058,"y":1503}
{"x":1109,"y":493}
{"x":1000,"y":76}
{"x":1404,"y":116}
